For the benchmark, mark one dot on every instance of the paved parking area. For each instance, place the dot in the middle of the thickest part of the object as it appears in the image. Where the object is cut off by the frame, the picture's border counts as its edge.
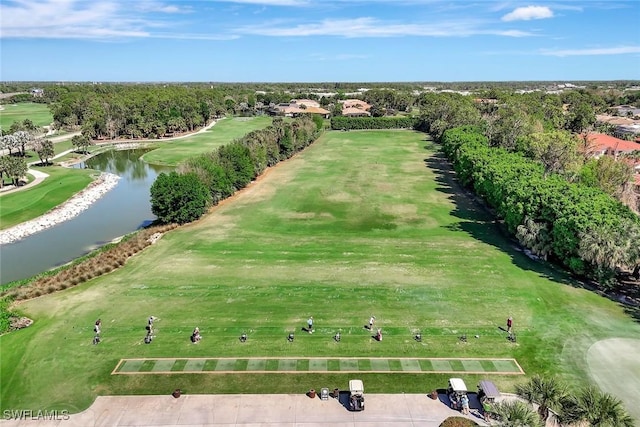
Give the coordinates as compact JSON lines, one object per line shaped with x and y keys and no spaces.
{"x":251,"y":410}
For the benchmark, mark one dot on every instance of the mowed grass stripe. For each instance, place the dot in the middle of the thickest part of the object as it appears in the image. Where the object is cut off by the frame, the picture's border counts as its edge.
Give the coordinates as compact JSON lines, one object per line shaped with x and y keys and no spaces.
{"x":164,"y":365}
{"x":410,"y":365}
{"x":363,"y":365}
{"x":194,"y":365}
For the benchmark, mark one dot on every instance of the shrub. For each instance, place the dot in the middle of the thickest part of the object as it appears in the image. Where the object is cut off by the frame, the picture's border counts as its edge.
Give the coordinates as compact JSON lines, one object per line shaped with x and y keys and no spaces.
{"x":458,"y":422}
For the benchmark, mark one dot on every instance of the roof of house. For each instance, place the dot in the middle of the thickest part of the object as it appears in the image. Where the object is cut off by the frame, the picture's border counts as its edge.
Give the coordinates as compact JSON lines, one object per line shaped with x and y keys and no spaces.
{"x":615,"y":120}
{"x":294,"y":109}
{"x":316,"y":110}
{"x":353,"y":111}
{"x":307,"y":102}
{"x":357,"y":103}
{"x":602,"y":142}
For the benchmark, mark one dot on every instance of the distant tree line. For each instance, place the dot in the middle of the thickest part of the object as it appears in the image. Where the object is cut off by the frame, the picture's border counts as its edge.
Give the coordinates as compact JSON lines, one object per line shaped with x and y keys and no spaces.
{"x":185,"y":195}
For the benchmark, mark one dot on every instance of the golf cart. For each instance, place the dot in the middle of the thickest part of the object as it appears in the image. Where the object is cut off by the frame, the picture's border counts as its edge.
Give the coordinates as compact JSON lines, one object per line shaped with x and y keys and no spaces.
{"x":487,"y":391}
{"x":356,"y":395}
{"x":457,"y":389}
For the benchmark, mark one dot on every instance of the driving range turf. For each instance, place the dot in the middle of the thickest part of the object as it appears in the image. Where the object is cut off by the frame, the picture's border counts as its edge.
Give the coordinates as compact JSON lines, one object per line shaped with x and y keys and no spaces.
{"x":360,"y":223}
{"x":289,"y":365}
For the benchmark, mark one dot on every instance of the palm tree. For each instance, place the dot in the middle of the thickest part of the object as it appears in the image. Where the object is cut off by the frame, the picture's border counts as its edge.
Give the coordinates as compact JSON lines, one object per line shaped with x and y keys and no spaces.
{"x":547,"y":393}
{"x":597,"y":409}
{"x":516,"y":413}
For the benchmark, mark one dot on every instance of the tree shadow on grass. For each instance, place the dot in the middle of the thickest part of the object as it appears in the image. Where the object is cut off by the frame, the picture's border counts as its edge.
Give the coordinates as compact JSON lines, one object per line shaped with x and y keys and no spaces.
{"x":481,"y":224}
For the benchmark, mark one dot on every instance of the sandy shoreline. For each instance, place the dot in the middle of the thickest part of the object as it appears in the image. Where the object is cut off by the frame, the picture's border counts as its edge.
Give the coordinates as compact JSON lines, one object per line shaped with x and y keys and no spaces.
{"x":69,"y":209}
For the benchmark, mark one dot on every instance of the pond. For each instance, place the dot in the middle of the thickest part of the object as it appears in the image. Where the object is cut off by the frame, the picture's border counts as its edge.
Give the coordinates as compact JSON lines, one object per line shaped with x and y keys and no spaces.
{"x":124,"y":209}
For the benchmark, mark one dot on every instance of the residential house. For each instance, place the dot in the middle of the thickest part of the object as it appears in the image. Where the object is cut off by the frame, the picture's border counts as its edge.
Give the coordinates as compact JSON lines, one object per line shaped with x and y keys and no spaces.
{"x":305,"y":102}
{"x":601,"y":144}
{"x":355,"y":103}
{"x":354,"y":112}
{"x":37,"y":93}
{"x":295,"y":110}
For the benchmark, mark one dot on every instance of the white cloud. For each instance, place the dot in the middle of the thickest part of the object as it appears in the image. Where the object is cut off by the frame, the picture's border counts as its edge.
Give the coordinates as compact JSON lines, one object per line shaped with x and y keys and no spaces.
{"x":268,"y":2}
{"x":67,"y":19}
{"x":371,"y":27}
{"x":621,"y":50}
{"x":528,"y":13}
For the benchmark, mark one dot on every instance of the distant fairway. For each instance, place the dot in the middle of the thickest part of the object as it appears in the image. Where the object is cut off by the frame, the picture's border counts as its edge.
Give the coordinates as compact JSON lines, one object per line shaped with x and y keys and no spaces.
{"x":39,"y":114}
{"x":359,"y":224}
{"x":225,"y":131}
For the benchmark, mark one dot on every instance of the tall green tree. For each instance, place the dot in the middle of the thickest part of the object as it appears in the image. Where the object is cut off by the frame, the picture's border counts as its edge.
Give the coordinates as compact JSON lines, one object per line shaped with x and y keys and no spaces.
{"x":515,"y":413}
{"x":546,"y":392}
{"x":608,"y":174}
{"x":16,"y":168}
{"x":81,"y":142}
{"x":594,"y":408}
{"x":580,"y":117}
{"x":178,"y":198}
{"x":557,"y":150}
{"x":44,"y":148}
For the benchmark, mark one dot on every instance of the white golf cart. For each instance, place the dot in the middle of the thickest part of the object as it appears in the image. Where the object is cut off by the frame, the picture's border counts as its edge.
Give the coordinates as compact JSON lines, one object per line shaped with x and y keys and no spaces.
{"x":457,"y":389}
{"x":356,"y":395}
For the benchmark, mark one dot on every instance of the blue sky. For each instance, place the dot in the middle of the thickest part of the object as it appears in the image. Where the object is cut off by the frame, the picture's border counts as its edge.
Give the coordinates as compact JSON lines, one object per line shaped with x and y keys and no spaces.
{"x":318,"y":40}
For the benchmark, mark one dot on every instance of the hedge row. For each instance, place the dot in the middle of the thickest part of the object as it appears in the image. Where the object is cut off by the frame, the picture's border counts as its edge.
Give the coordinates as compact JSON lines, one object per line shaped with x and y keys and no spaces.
{"x":550,"y":211}
{"x":360,"y":123}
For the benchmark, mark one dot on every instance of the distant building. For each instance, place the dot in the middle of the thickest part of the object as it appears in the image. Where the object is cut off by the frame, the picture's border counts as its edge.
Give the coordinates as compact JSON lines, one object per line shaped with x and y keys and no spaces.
{"x":600,"y":144}
{"x":305,"y":102}
{"x":37,"y":93}
{"x":354,"y":112}
{"x":294,"y":109}
{"x":355,"y":103}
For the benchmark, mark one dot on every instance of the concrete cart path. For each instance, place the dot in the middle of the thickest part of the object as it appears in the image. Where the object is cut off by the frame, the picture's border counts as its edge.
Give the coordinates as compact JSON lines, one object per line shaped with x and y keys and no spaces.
{"x":396,"y":410}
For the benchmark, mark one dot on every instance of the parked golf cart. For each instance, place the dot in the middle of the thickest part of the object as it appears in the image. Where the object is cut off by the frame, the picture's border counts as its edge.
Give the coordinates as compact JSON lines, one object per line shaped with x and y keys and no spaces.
{"x":356,"y":395}
{"x":457,"y":389}
{"x":487,"y":394}
{"x":487,"y":391}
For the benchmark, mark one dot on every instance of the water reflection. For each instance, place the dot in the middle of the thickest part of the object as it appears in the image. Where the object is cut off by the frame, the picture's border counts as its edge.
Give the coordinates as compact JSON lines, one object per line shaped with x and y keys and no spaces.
{"x":122,"y":210}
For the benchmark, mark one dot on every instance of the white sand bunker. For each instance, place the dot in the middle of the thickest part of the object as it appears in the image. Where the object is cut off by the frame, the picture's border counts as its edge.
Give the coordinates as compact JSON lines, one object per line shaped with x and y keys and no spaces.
{"x":615,"y":366}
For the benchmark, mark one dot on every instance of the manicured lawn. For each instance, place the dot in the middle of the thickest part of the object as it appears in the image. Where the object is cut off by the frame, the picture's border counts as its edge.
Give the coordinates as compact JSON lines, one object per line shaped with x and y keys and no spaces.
{"x":61,"y":184}
{"x":223,"y":132}
{"x":39,"y":114}
{"x":360,"y":223}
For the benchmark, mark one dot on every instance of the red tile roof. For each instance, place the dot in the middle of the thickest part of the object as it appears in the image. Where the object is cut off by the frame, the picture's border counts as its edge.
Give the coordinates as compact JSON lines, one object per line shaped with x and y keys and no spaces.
{"x":611,"y":144}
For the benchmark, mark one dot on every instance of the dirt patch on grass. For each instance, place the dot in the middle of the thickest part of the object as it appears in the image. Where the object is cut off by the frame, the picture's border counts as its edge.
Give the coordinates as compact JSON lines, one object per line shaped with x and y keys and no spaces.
{"x":615,"y":367}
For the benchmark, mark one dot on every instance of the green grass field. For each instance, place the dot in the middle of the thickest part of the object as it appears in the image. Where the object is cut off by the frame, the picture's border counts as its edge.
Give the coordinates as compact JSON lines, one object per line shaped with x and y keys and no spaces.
{"x":39,"y":114}
{"x":360,"y":223}
{"x":25,"y":205}
{"x":226,"y":130}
